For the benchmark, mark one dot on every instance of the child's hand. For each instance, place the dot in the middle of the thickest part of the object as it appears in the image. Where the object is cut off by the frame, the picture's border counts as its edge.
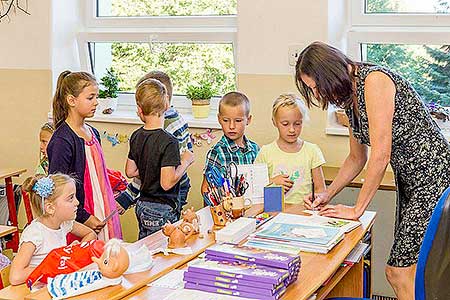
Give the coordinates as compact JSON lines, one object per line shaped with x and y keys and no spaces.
{"x":94,"y":223}
{"x":284,"y":181}
{"x":120,"y":209}
{"x":187,"y":157}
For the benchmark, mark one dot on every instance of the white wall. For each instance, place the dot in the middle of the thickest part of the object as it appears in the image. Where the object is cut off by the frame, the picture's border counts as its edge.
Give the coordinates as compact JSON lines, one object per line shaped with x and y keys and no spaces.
{"x":67,"y":22}
{"x":266,"y":28}
{"x":25,"y":39}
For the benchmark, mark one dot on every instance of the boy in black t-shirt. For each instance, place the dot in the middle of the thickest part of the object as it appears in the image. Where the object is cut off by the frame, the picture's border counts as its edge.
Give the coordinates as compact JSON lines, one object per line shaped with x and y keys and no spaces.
{"x":154,"y":156}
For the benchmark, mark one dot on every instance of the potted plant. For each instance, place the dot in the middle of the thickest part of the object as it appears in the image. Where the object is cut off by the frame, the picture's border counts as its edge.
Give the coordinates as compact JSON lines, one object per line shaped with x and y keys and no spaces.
{"x":200,"y":95}
{"x":109,"y":87}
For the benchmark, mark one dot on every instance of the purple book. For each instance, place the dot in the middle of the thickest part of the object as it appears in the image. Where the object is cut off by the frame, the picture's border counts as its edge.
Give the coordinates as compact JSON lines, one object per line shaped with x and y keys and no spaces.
{"x":232,"y":286}
{"x":201,"y":276}
{"x":250,"y":254}
{"x":239,"y":270}
{"x":212,"y":289}
{"x":292,"y":269}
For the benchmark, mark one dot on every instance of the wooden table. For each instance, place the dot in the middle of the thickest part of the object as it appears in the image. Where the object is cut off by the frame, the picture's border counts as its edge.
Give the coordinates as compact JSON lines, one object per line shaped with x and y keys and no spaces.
{"x":345,"y":281}
{"x":5,"y":230}
{"x":7,"y":174}
{"x":387,"y":184}
{"x":315,"y":270}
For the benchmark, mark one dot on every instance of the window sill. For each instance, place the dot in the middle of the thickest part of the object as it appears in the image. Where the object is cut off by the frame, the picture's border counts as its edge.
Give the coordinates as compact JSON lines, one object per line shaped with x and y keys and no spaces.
{"x":124,"y":116}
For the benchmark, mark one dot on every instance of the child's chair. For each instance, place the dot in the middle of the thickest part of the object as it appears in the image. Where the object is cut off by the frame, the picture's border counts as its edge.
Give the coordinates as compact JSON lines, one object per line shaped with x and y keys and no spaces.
{"x":27,"y":204}
{"x":433,"y":266}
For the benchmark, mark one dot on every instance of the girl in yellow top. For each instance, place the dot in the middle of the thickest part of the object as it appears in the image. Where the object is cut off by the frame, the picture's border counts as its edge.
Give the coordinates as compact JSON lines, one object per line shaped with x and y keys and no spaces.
{"x":293,"y":163}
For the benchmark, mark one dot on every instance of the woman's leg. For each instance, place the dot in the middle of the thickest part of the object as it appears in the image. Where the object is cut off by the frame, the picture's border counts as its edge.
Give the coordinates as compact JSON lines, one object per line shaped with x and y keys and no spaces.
{"x":402,"y":281}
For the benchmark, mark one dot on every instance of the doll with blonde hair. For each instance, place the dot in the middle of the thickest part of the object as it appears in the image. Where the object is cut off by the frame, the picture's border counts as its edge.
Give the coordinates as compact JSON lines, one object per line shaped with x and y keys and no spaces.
{"x":55,"y":206}
{"x":292,"y":163}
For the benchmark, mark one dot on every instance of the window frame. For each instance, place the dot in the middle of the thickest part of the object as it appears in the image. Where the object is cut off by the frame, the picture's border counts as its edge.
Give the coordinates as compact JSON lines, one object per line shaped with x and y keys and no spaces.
{"x":177,"y":29}
{"x":394,"y":29}
{"x":360,"y":18}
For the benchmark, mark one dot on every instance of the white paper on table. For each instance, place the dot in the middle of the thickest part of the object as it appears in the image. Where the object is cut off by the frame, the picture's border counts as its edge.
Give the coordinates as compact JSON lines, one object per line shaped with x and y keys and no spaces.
{"x":257,"y":176}
{"x":313,"y":233}
{"x":172,"y":280}
{"x":186,"y":294}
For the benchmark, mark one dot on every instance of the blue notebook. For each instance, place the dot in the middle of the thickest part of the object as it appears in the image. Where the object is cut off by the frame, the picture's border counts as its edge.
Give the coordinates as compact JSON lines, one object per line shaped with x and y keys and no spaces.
{"x":273,"y":198}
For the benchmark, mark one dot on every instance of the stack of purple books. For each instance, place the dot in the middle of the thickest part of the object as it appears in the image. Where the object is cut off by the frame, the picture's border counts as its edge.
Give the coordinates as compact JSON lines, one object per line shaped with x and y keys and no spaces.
{"x":268,"y":258}
{"x":243,"y":271}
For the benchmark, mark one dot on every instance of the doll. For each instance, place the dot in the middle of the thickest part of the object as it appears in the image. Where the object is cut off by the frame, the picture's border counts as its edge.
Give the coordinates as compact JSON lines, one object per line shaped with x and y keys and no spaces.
{"x":111,"y":265}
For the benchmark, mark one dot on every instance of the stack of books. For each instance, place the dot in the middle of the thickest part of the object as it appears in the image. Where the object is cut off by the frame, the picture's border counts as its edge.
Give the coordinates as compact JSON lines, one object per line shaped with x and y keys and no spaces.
{"x":261,"y":257}
{"x":250,"y":274}
{"x":291,"y":233}
{"x":236,"y":231}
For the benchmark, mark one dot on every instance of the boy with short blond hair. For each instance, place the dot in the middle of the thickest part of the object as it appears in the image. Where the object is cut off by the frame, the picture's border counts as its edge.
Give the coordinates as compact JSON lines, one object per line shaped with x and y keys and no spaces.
{"x":154,"y":157}
{"x":234,"y":116}
{"x":175,"y":124}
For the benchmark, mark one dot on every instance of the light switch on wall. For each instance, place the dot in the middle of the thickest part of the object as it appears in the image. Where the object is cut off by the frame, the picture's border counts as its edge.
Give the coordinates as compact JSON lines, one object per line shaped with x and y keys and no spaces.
{"x":293,"y":53}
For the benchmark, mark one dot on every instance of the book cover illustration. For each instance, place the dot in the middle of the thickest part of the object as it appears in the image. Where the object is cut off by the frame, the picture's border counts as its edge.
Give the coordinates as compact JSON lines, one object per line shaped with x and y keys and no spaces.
{"x":195,"y":276}
{"x":300,"y":233}
{"x":238,"y":270}
{"x":315,"y":220}
{"x":255,"y":255}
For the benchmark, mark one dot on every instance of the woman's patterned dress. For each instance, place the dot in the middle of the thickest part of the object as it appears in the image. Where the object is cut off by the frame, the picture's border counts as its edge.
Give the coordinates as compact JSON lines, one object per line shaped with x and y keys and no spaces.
{"x":420,"y":158}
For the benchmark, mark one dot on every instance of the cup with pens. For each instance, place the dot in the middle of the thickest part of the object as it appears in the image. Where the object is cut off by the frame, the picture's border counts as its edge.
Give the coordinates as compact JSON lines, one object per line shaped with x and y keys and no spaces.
{"x":225,"y":184}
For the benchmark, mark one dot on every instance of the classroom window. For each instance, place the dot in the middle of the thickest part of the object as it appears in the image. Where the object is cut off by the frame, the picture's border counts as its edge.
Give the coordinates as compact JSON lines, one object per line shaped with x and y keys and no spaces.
{"x":139,"y":8}
{"x":426,"y":67}
{"x":190,"y":40}
{"x":411,"y":37}
{"x":184,"y":63}
{"x":407,"y":6}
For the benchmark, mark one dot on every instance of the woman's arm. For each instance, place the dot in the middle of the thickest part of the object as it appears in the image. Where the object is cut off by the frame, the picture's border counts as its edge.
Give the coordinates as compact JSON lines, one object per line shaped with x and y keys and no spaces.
{"x":20,"y":266}
{"x":379,"y":95}
{"x":318,"y":180}
{"x":83,"y":231}
{"x":351,"y":167}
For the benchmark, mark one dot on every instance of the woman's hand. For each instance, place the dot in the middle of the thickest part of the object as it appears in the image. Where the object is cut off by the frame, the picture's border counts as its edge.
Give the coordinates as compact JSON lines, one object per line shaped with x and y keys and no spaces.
{"x":339,"y":211}
{"x":94,"y":223}
{"x":321,"y":199}
{"x":284,"y":181}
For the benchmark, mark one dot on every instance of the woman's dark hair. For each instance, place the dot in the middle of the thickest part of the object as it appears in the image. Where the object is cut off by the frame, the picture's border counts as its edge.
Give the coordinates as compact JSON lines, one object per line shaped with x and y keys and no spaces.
{"x":328,"y":67}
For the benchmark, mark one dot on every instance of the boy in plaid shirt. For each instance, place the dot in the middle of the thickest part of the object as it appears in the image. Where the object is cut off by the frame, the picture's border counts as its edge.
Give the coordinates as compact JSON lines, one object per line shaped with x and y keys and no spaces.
{"x":234,"y":146}
{"x":175,"y":124}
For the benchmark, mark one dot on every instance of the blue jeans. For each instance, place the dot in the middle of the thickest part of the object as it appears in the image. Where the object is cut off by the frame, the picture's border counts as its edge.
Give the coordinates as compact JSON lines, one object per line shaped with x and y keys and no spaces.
{"x":152,"y":216}
{"x":185,"y":185}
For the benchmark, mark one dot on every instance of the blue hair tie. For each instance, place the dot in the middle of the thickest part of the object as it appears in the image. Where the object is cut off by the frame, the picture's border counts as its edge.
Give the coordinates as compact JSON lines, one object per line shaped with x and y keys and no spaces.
{"x":44,"y":188}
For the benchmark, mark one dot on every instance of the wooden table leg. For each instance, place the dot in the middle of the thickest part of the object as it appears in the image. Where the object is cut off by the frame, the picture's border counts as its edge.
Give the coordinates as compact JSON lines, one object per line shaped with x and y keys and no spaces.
{"x":14,"y":243}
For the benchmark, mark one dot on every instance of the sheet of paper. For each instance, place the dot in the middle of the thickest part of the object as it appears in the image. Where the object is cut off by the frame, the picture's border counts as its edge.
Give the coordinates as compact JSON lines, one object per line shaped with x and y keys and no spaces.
{"x":200,"y":295}
{"x":257,"y":177}
{"x":172,"y":280}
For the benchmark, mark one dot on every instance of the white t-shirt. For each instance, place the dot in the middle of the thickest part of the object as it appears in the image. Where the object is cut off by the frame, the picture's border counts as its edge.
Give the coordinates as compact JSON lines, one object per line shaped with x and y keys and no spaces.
{"x":45,"y":239}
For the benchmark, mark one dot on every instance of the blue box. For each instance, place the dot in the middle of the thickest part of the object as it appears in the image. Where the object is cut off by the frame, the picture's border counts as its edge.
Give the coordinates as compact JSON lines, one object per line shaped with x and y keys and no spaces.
{"x":273,"y":198}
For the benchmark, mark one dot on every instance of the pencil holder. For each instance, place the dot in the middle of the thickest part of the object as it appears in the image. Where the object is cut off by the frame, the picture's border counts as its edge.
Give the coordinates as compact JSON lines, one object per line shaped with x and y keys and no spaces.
{"x":219,"y":215}
{"x":236,"y":205}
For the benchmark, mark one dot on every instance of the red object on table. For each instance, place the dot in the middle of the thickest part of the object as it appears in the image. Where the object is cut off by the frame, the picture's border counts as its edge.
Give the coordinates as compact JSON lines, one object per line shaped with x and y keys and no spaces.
{"x":65,"y":260}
